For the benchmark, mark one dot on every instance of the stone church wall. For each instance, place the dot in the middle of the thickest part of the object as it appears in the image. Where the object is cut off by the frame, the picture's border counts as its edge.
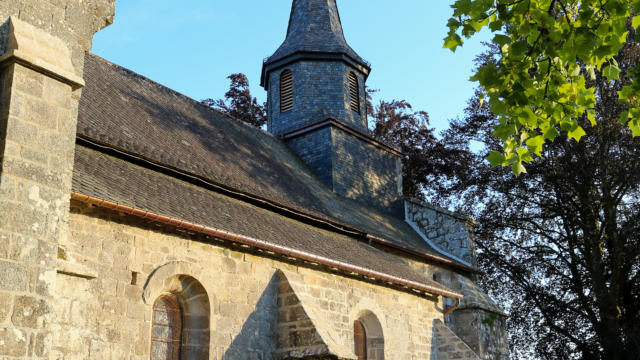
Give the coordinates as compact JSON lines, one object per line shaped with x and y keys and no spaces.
{"x":103,"y":302}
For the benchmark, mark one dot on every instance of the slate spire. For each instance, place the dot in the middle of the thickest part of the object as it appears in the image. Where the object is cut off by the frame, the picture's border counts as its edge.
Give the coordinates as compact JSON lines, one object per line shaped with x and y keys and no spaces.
{"x":314,"y":30}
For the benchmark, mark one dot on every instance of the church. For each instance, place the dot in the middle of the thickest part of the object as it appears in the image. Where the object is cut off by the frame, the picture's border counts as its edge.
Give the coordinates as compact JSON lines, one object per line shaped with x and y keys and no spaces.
{"x":137,"y":223}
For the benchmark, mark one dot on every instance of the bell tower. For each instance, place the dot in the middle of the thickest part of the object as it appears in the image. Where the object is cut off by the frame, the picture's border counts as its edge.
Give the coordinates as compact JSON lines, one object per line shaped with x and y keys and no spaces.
{"x":317,"y":104}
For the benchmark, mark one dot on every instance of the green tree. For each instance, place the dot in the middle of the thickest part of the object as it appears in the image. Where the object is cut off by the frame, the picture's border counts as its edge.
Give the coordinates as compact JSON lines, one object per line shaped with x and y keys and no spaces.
{"x":239,"y":103}
{"x":549,"y":52}
{"x":560,"y":246}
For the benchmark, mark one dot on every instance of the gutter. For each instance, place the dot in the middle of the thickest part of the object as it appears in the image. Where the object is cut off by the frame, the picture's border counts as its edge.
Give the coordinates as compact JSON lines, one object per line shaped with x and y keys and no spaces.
{"x":266,"y":246}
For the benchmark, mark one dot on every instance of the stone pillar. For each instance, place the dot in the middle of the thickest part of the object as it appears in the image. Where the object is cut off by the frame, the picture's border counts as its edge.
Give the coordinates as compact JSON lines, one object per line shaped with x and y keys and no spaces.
{"x":40,"y":82}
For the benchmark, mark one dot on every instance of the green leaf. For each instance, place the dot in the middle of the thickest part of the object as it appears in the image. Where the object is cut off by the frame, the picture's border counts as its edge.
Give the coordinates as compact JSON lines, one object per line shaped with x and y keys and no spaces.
{"x":518,"y":168}
{"x":612,"y":72}
{"x":577,"y":133}
{"x":496,"y":158}
{"x":636,"y":21}
{"x":550,"y":133}
{"x":624,"y":118}
{"x":452,"y":42}
{"x":535,"y":145}
{"x":501,"y":39}
{"x":591,"y":115}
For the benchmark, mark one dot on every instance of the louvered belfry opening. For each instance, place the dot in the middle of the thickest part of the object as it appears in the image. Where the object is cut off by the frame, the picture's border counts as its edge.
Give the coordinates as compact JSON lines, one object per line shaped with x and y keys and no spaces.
{"x":166,"y":335}
{"x":286,"y":91}
{"x":354,"y":92}
{"x":360,"y":337}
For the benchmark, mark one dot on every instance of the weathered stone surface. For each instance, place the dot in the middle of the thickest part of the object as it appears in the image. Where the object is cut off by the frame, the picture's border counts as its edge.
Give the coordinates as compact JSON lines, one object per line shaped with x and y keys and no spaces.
{"x":448,"y":231}
{"x":29,"y":312}
{"x":13,"y":342}
{"x":6,"y":302}
{"x":450,"y":346}
{"x":13,"y":276}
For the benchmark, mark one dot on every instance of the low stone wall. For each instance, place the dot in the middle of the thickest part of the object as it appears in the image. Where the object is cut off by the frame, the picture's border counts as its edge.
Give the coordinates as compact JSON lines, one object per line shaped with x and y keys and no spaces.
{"x":448,"y":231}
{"x":450,"y":346}
{"x":485,"y":332}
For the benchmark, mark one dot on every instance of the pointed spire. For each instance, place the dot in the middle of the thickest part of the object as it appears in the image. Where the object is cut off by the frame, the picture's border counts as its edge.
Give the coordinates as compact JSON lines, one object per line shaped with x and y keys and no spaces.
{"x":315,"y":28}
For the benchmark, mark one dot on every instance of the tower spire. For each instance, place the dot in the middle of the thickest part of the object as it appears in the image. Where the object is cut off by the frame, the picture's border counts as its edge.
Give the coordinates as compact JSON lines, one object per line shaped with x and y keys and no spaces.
{"x":314,"y":30}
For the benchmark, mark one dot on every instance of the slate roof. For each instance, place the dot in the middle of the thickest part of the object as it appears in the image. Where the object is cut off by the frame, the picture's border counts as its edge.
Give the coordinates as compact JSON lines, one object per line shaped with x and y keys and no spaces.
{"x":124,"y":111}
{"x":110,"y":178}
{"x":315,"y":27}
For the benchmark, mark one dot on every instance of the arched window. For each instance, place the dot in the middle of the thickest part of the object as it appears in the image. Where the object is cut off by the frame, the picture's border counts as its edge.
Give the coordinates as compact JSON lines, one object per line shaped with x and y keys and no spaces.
{"x":354,"y":92}
{"x":368,"y":337}
{"x":286,"y":91}
{"x":166,"y":338}
{"x":360,"y":337}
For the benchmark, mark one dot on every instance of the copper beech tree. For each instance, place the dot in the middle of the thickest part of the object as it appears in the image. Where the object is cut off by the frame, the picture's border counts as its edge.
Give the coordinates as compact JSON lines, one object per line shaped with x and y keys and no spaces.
{"x":239,"y":103}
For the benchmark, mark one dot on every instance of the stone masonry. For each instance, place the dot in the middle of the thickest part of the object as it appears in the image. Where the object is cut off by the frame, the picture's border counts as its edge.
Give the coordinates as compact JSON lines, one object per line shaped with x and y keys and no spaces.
{"x":109,"y":317}
{"x":446,"y":230}
{"x":42,"y":46}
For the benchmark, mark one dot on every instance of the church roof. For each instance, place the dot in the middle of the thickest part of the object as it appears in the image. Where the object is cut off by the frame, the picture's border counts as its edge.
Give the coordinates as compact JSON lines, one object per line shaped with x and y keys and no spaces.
{"x":314,"y":28}
{"x":160,"y":151}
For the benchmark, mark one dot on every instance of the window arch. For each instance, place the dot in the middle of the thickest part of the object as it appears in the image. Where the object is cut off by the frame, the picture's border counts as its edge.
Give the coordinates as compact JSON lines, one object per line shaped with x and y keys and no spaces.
{"x":166,"y":337}
{"x":169,"y":286}
{"x":368,"y":337}
{"x":286,"y":91}
{"x":354,"y":92}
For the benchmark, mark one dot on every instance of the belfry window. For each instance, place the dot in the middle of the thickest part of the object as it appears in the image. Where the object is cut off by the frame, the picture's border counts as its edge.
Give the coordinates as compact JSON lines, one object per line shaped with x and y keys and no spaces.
{"x":166,"y":337}
{"x":354,"y":92}
{"x":286,"y":91}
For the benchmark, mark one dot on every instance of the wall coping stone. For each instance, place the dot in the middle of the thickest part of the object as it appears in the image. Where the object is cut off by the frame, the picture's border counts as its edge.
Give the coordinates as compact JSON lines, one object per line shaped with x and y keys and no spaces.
{"x":38,"y":50}
{"x":438,"y":209}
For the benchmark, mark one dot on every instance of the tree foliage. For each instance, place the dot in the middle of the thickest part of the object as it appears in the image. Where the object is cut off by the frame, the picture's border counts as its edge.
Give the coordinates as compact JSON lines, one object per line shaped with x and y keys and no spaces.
{"x":560,"y":246}
{"x":550,"y":50}
{"x":396,"y":123}
{"x":239,"y":103}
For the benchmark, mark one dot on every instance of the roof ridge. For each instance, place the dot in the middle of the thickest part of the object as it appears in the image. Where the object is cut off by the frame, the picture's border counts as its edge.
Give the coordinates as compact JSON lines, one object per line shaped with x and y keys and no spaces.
{"x":179,"y":94}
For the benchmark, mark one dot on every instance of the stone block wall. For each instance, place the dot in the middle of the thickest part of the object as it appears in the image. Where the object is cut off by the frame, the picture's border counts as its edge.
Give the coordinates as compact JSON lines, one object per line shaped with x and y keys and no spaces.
{"x":109,"y":317}
{"x":483,"y":331}
{"x":450,"y":346}
{"x":448,"y":231}
{"x":320,"y":91}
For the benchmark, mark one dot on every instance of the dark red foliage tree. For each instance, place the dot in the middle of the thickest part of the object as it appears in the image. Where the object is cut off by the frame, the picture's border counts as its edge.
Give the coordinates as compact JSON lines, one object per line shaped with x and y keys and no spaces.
{"x":239,"y":103}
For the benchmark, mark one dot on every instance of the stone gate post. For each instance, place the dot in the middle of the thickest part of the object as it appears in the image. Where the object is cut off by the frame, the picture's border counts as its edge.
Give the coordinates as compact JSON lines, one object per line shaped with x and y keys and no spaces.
{"x":42,"y":45}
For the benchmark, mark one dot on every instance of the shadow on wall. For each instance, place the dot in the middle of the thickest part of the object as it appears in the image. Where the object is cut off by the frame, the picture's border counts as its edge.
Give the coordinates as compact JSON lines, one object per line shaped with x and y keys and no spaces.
{"x":447,"y":345}
{"x":258,"y":336}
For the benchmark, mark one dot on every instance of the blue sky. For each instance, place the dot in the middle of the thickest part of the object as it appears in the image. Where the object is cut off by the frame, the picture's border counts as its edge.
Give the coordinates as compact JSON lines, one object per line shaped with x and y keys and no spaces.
{"x":191,"y":46}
